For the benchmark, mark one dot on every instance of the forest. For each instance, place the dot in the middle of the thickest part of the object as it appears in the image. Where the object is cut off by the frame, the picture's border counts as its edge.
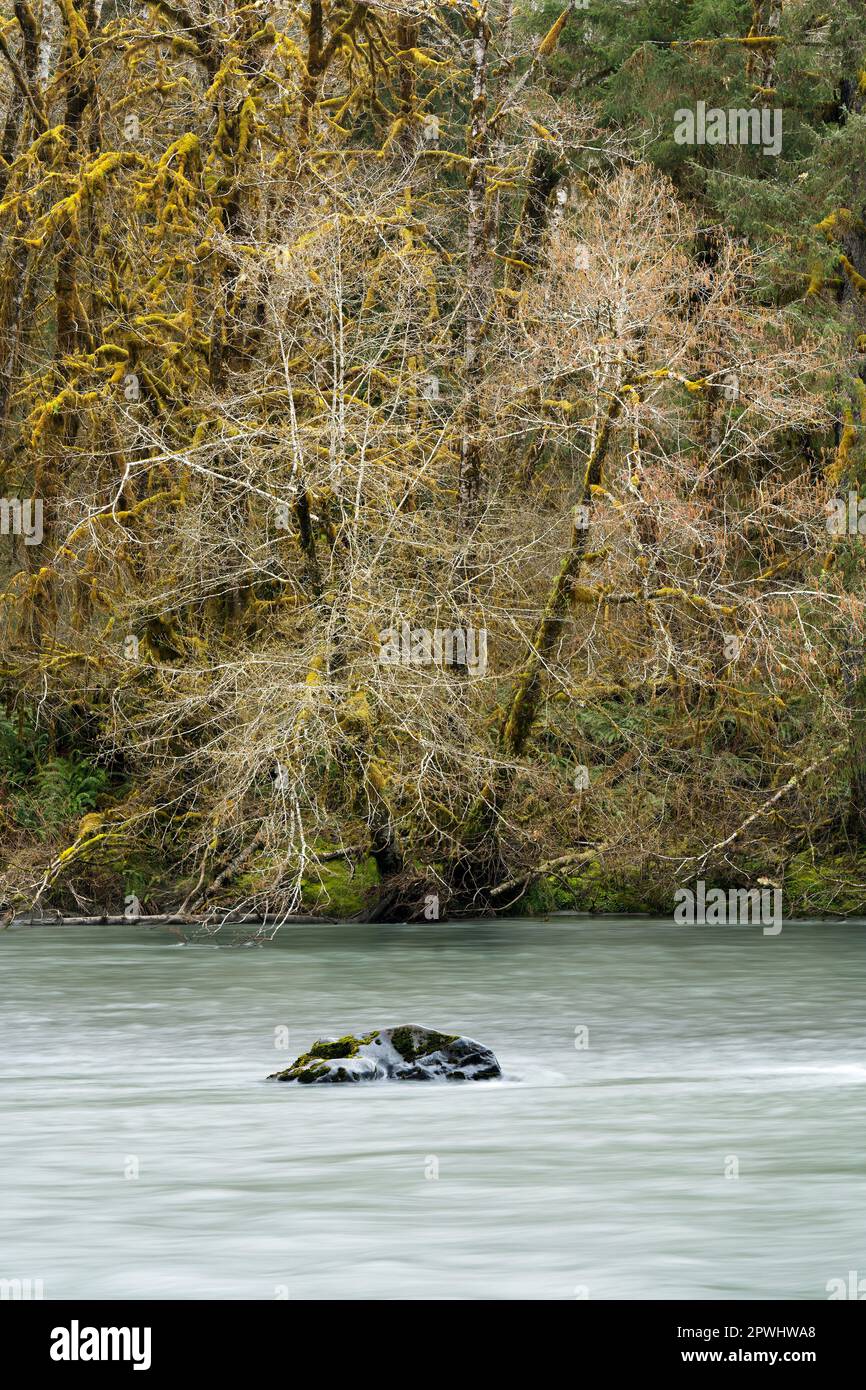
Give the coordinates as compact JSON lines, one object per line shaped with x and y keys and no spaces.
{"x":432,"y":442}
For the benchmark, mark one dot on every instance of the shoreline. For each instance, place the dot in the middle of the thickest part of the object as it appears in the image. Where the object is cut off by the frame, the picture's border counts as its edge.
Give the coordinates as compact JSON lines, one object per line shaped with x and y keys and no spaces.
{"x":578,"y":914}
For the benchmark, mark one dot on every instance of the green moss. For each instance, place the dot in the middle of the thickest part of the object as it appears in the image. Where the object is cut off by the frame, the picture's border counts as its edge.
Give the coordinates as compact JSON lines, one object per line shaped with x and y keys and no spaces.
{"x":340,"y":889}
{"x":306,"y":1075}
{"x":339,"y":1047}
{"x":834,"y":887}
{"x":404,"y":1042}
{"x":598,"y":889}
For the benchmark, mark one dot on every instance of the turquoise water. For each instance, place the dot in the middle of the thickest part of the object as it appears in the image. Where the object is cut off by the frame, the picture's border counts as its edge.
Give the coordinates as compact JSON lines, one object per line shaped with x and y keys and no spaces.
{"x":683,"y":1114}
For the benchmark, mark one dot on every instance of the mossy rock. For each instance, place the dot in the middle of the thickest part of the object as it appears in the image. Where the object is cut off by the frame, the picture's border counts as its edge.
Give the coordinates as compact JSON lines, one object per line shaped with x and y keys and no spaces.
{"x":404,"y":1053}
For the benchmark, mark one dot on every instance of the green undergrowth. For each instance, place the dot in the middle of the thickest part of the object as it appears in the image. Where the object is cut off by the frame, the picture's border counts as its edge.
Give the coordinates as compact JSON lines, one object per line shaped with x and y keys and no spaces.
{"x":834,"y":885}
{"x":339,"y":888}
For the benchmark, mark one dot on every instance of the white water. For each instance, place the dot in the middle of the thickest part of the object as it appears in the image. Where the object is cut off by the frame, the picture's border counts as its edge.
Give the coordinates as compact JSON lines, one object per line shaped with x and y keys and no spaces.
{"x":596,"y":1172}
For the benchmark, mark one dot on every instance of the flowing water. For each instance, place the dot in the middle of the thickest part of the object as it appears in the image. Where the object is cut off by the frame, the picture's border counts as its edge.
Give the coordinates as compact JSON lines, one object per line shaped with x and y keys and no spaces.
{"x":683,"y":1114}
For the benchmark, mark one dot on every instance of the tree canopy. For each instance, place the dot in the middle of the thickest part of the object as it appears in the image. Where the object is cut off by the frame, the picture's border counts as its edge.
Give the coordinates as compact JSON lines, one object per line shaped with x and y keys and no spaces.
{"x":437,"y":463}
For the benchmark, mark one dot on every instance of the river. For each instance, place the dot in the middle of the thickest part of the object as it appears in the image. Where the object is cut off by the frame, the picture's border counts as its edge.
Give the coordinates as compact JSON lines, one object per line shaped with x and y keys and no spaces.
{"x":682,"y":1114}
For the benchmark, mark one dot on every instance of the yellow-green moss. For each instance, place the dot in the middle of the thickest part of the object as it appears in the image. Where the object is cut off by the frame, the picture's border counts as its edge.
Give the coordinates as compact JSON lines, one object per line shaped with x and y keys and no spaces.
{"x":340,"y":889}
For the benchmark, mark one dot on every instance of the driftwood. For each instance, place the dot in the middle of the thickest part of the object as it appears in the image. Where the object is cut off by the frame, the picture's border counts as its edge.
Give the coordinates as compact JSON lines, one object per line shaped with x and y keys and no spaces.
{"x":161,"y":919}
{"x":519,"y":884}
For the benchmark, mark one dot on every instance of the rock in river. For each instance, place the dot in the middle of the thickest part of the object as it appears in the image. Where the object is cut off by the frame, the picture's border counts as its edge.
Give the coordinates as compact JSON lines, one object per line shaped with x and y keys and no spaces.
{"x":393,"y":1054}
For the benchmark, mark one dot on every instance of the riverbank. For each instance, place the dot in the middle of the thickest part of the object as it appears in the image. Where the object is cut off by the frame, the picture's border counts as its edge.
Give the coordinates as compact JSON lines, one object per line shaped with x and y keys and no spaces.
{"x":109,"y":879}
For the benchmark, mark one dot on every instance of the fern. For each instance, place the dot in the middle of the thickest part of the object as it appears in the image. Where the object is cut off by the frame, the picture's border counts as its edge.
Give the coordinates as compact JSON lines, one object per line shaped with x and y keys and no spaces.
{"x":62,"y":789}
